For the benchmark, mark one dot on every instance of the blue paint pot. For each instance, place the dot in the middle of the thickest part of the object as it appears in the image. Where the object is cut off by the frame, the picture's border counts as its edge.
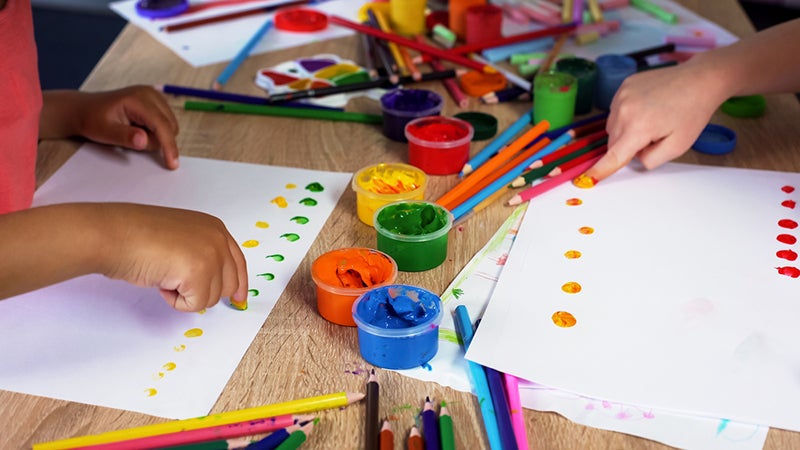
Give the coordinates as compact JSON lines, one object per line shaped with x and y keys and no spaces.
{"x":611,"y":72}
{"x":398,"y":326}
{"x":401,"y":106}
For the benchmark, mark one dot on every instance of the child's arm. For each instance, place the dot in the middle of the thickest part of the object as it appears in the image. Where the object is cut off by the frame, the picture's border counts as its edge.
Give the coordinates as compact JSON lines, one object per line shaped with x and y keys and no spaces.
{"x":137,"y":117}
{"x":189,"y":256}
{"x":657,"y":115}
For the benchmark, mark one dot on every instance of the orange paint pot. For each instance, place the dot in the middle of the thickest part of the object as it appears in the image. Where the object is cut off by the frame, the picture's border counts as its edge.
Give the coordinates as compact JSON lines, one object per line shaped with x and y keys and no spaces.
{"x":343,"y":275}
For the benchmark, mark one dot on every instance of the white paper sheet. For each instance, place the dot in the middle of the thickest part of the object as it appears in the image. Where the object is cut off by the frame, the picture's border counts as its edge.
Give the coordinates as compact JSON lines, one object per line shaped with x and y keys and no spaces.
{"x":681,"y":308}
{"x":104,"y":342}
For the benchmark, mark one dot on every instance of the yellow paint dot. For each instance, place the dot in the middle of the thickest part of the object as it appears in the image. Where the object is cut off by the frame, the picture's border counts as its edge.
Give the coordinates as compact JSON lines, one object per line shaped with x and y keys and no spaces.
{"x":564,"y":319}
{"x":202,"y":311}
{"x":150,"y":392}
{"x":572,"y":254}
{"x":585,"y":230}
{"x":571,"y":287}
{"x":179,"y":348}
{"x":584,"y":182}
{"x":574,"y":202}
{"x":290,"y":185}
{"x":280,"y":201}
{"x":261,"y":224}
{"x":194,"y":332}
{"x":169,"y":366}
{"x":158,"y":376}
{"x":250,"y":243}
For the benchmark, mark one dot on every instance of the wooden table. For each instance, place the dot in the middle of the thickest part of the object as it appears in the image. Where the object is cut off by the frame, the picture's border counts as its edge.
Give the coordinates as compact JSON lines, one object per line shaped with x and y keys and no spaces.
{"x":297,"y":353}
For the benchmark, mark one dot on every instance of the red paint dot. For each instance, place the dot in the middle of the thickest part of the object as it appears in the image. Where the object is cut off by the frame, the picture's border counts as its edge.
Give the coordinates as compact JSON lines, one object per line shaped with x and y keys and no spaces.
{"x":789,"y":204}
{"x":787,"y":223}
{"x":789,"y":255}
{"x":788,"y":189}
{"x":787,"y":239}
{"x":789,"y":271}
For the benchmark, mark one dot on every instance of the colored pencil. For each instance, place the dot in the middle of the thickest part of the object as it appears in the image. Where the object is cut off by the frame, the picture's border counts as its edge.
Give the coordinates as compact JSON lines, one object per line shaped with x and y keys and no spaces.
{"x":515,"y":408}
{"x":566,"y":10}
{"x":368,"y":55}
{"x":506,"y":95}
{"x":227,"y":16}
{"x":410,"y":43}
{"x":514,"y":38}
{"x":451,"y":85}
{"x":299,"y":406}
{"x":498,"y":143}
{"x":383,"y":25}
{"x":388,"y":53}
{"x":595,"y":11}
{"x":235,"y":98}
{"x":232,"y":430}
{"x":577,"y":125}
{"x":501,"y":182}
{"x":386,"y":436}
{"x":655,"y":10}
{"x":500,"y":402}
{"x":551,"y":183}
{"x":222,"y":444}
{"x":373,"y":406}
{"x":274,"y":439}
{"x":430,"y":426}
{"x":283,"y":111}
{"x":544,"y":166}
{"x":415,"y":441}
{"x":448,"y":439}
{"x":230,"y":69}
{"x":464,"y":331}
{"x":551,"y":57}
{"x":296,"y":439}
{"x":592,"y":154}
{"x":510,"y":76}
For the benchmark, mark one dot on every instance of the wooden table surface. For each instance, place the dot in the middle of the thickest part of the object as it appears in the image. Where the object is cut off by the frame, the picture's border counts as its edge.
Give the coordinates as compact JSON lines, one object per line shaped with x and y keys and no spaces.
{"x":297,"y":353}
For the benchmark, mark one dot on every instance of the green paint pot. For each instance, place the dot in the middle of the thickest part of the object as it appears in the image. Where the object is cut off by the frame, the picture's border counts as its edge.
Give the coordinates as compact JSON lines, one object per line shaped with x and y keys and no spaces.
{"x":413,"y":233}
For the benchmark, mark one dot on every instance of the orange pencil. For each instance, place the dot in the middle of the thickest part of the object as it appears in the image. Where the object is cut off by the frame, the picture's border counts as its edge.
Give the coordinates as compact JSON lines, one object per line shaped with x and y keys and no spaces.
{"x":386,"y":436}
{"x":497,"y":160}
{"x":415,"y":439}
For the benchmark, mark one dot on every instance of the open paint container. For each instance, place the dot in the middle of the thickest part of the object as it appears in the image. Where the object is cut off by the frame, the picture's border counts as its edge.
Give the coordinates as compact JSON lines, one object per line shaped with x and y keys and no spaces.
{"x":401,"y":106}
{"x":344,"y":274}
{"x":380,"y":184}
{"x":398,"y":326}
{"x":413,"y":233}
{"x":438,"y":145}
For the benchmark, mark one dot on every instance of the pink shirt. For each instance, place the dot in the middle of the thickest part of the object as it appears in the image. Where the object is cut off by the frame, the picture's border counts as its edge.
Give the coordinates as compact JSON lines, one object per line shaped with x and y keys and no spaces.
{"x":20,"y":106}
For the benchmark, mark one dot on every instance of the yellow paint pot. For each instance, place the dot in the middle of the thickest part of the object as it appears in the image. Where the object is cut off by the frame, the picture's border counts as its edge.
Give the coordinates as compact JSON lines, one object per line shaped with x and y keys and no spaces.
{"x":384,"y":183}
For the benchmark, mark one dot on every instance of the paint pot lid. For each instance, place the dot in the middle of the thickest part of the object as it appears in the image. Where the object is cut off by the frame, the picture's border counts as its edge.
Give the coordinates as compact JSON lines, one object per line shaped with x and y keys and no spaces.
{"x":485,"y":125}
{"x":300,"y":20}
{"x":476,"y":83}
{"x":745,"y":106}
{"x":159,"y":9}
{"x":715,"y":140}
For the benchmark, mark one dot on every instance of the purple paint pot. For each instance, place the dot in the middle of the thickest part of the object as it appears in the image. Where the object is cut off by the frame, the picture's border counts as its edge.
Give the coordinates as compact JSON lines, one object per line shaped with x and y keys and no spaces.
{"x":401,"y":106}
{"x":398,"y":326}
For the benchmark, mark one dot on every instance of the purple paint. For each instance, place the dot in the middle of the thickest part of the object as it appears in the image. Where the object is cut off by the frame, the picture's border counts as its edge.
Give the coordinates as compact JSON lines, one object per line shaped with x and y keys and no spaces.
{"x":315,"y":64}
{"x":401,"y":106}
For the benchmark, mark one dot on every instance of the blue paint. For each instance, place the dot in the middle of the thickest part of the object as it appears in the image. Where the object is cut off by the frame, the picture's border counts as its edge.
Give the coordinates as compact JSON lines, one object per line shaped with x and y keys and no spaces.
{"x":402,"y":338}
{"x":401,"y":106}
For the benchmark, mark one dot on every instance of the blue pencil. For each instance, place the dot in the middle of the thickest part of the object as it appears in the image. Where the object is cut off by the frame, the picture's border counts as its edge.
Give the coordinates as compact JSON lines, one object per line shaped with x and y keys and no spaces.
{"x":242,"y":55}
{"x":501,"y":409}
{"x":499,"y":142}
{"x":510,"y":176}
{"x":464,"y":330}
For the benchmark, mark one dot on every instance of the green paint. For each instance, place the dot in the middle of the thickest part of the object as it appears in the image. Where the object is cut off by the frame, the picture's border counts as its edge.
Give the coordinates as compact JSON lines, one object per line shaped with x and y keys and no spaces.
{"x":414,"y":234}
{"x":267,"y":276}
{"x":299,"y":220}
{"x":448,"y":335}
{"x":291,"y":237}
{"x":308,"y":201}
{"x":315,"y":187}
{"x":276,"y":257}
{"x":253,"y":292}
{"x":402,"y":408}
{"x":457,"y":293}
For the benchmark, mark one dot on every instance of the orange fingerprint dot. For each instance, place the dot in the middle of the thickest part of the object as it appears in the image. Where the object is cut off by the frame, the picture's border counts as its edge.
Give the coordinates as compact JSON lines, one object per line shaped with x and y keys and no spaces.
{"x":572,"y":254}
{"x":584,"y":182}
{"x":150,"y":392}
{"x":574,"y":202}
{"x":571,"y":287}
{"x":280,"y":201}
{"x":564,"y":319}
{"x":250,"y":243}
{"x":194,"y":332}
{"x":261,"y":224}
{"x":290,"y":185}
{"x":169,"y":366}
{"x":585,"y":230}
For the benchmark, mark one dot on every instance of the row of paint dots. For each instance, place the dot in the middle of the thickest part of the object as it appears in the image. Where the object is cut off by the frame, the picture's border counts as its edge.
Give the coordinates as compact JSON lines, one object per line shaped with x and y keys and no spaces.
{"x":281,"y":202}
{"x":785,"y":237}
{"x":565,"y":319}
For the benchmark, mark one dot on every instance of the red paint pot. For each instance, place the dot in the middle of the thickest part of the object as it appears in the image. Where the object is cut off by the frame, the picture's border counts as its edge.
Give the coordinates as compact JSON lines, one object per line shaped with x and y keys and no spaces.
{"x":438,"y":145}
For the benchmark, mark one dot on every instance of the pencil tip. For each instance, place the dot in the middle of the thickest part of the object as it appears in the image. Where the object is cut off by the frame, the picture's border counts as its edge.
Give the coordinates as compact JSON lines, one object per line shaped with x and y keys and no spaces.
{"x":514,"y":201}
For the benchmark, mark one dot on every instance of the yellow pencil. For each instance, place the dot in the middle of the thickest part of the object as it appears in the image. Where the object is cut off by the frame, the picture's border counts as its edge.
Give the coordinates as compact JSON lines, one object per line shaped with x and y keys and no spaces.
{"x":383,"y":21}
{"x":305,"y":405}
{"x":594,"y":10}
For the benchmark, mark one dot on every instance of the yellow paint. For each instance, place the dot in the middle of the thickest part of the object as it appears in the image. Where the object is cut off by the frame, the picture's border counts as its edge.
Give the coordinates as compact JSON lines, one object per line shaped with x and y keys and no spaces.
{"x":179,"y":348}
{"x":250,"y":243}
{"x":193,"y":333}
{"x":585,"y":230}
{"x":571,"y":287}
{"x":241,"y":306}
{"x":150,"y":392}
{"x":280,"y":201}
{"x":169,"y":366}
{"x":564,"y":319}
{"x":584,"y":182}
{"x":261,"y":224}
{"x":572,"y":254}
{"x":290,"y":185}
{"x":202,"y":311}
{"x":158,"y":376}
{"x":574,"y":202}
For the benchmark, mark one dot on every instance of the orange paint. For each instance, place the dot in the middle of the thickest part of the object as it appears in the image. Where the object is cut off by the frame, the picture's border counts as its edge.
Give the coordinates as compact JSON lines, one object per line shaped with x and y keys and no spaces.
{"x":571,"y":287}
{"x":572,"y":254}
{"x":584,"y":182}
{"x":564,"y":319}
{"x":585,"y":230}
{"x":574,"y":202}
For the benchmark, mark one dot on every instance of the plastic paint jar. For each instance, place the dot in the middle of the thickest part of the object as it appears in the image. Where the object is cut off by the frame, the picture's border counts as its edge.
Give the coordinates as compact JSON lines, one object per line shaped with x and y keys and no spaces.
{"x":380,"y":184}
{"x":401,"y":106}
{"x":343,"y":275}
{"x":585,"y":72}
{"x":398,"y":326}
{"x":483,"y":23}
{"x":554,"y":96}
{"x":407,"y":16}
{"x":413,"y":233}
{"x":458,"y":15}
{"x":611,"y":72}
{"x":438,"y":145}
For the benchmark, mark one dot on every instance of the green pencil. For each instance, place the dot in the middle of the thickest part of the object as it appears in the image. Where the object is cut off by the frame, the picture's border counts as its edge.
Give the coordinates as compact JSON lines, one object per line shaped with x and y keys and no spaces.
{"x":539,"y":172}
{"x":446,"y":428}
{"x":282,"y":111}
{"x":296,"y":439}
{"x":223,"y":444}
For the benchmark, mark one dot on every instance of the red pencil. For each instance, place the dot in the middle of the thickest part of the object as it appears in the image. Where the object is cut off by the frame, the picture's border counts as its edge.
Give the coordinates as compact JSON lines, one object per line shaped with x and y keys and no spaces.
{"x":550,"y":183}
{"x":387,"y":436}
{"x":415,"y":441}
{"x":529,"y":36}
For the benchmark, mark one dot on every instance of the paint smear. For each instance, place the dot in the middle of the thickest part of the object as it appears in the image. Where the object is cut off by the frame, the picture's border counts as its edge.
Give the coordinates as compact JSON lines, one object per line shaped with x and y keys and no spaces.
{"x":300,"y":220}
{"x":457,"y":292}
{"x":788,"y":189}
{"x":572,"y":254}
{"x":291,"y":186}
{"x":585,"y":230}
{"x":158,"y":376}
{"x":250,"y":243}
{"x":308,"y":201}
{"x":448,"y":335}
{"x":179,"y":348}
{"x":170,"y":366}
{"x":574,"y":202}
{"x":291,"y":237}
{"x":789,"y":255}
{"x":787,"y":223}
{"x":315,"y":187}
{"x":267,"y":276}
{"x":571,"y":287}
{"x":280,"y":201}
{"x":239,"y":306}
{"x":564,"y":319}
{"x":789,"y":204}
{"x":584,"y":182}
{"x":193,"y":333}
{"x":787,"y":239}
{"x":276,"y":257}
{"x":789,"y":271}
{"x":261,"y":224}
{"x":150,"y":392}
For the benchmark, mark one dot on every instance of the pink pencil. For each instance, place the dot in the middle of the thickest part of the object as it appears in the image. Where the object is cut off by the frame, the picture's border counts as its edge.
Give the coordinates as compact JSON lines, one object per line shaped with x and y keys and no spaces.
{"x":212,"y":433}
{"x":550,"y":183}
{"x":515,"y":407}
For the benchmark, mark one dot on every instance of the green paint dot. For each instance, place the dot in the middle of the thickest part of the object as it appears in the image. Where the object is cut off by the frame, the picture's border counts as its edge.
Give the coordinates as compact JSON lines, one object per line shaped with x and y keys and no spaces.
{"x":300,"y":220}
{"x":315,"y":187}
{"x":253,"y":292}
{"x":308,"y":201}
{"x":267,"y":276}
{"x":457,"y":293}
{"x":291,"y":237}
{"x":276,"y":257}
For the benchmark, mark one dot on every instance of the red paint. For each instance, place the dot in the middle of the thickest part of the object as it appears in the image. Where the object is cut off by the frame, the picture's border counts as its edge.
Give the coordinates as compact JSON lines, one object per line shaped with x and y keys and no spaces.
{"x":789,"y":271}
{"x":787,"y":239}
{"x":278,"y":78}
{"x":438,"y":145}
{"x":789,"y":255}
{"x":788,"y":189}
{"x":789,"y":204}
{"x":787,"y":223}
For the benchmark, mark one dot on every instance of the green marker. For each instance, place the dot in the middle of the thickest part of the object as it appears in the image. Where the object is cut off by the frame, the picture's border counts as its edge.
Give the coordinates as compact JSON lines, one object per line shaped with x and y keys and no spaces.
{"x":283,"y":111}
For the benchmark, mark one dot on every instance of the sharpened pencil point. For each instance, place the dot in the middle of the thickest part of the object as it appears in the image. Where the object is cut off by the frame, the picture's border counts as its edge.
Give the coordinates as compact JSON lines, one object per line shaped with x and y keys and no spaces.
{"x":515,"y":200}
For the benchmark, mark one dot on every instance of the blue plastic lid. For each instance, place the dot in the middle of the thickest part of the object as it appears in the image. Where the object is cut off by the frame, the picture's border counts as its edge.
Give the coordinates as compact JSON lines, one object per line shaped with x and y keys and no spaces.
{"x":715,"y":140}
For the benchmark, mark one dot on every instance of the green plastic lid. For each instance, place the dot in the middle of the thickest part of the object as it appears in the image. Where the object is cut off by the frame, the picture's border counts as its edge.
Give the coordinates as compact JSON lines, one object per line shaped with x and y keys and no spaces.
{"x":747,"y":106}
{"x":485,"y":125}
